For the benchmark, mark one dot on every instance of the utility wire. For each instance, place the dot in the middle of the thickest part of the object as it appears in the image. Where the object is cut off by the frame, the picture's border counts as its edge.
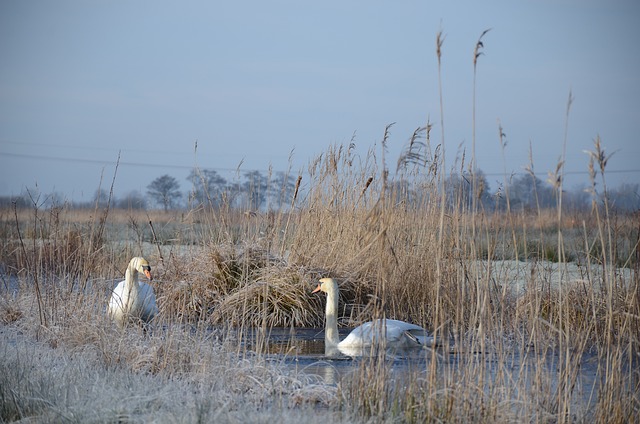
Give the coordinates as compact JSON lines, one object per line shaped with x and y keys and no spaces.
{"x":174,"y":166}
{"x":125,"y":163}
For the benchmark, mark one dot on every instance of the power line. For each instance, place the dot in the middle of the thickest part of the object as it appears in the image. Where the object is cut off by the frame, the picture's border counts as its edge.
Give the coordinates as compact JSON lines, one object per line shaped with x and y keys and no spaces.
{"x":121,"y":163}
{"x":96,"y":161}
{"x":189,"y":167}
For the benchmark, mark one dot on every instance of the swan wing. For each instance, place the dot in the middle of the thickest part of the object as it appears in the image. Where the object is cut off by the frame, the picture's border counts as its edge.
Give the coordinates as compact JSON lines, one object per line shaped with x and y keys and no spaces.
{"x":406,"y":335}
{"x":418,"y":338}
{"x":398,"y":334}
{"x":117,"y":301}
{"x":147,"y":302}
{"x":142,"y":306}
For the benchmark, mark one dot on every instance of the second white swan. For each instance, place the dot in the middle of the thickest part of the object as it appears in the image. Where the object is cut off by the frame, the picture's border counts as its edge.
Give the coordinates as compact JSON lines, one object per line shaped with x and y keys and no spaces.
{"x":133,"y":300}
{"x":390,"y":333}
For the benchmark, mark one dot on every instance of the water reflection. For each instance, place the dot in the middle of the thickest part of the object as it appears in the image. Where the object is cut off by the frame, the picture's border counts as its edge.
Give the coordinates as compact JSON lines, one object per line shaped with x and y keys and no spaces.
{"x":302,"y":350}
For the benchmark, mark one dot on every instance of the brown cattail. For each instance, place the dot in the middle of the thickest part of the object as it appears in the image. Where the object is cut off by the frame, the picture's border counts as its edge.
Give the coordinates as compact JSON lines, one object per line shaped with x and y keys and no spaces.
{"x":366,"y":185}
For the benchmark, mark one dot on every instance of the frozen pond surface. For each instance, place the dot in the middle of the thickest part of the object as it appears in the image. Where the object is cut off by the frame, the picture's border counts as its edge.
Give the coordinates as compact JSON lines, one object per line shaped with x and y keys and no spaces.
{"x":302,"y":351}
{"x":517,"y":275}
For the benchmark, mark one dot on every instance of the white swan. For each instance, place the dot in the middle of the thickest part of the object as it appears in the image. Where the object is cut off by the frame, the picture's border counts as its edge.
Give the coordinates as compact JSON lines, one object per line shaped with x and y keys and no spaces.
{"x":390,"y":333}
{"x":133,"y":300}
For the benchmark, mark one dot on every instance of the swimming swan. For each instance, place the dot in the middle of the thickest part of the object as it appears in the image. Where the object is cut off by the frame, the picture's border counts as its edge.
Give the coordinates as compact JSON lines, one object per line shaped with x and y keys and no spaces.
{"x":396,"y":334}
{"x":133,"y":300}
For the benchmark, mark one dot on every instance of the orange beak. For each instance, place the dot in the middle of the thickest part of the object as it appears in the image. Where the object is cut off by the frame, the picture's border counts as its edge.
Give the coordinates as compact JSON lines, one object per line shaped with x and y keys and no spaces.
{"x":317,"y":289}
{"x":148,"y":274}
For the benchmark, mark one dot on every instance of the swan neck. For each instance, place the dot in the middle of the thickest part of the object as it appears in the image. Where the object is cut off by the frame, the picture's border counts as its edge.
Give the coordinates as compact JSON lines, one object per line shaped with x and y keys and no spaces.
{"x":131,"y":278}
{"x":331,"y":337}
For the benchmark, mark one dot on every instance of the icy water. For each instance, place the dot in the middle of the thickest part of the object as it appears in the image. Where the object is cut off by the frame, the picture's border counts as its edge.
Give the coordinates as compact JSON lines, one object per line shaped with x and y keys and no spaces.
{"x":302,"y":351}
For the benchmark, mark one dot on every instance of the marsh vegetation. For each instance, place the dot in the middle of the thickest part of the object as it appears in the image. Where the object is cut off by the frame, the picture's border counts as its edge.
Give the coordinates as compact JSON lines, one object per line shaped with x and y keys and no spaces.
{"x":536,"y":310}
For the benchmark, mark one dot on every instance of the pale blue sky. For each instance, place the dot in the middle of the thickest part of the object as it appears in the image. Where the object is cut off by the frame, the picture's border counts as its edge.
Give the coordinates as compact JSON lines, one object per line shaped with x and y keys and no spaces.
{"x":254,"y":80}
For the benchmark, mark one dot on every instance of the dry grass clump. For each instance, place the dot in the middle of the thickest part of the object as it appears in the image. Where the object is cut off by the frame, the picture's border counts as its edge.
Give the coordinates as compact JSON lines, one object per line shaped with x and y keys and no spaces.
{"x":9,"y":311}
{"x":246,"y":287}
{"x":273,"y":297}
{"x":281,"y":297}
{"x":220,"y":286}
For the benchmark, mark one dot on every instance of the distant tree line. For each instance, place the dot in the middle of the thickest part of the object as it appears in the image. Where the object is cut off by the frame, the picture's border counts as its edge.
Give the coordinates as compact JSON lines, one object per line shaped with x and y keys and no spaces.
{"x":521,"y":192}
{"x":528,"y":192}
{"x":209,"y":189}
{"x":258,"y":191}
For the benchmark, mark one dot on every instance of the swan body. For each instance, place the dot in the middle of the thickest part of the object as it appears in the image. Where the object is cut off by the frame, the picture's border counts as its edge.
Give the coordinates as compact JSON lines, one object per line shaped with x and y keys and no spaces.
{"x":391,"y":333}
{"x":133,"y":300}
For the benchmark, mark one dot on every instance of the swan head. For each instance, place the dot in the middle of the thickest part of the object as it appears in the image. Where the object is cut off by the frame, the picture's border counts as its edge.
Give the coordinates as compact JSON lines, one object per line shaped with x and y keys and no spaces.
{"x":326,"y":285}
{"x":141,"y":265}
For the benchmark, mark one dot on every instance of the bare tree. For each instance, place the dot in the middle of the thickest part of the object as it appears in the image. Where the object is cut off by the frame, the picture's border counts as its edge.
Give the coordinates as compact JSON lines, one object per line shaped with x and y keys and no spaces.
{"x":280,"y":191}
{"x":459,"y":188}
{"x":626,"y":197}
{"x":255,"y":189}
{"x":165,"y":191}
{"x":529,"y":192}
{"x":208,"y":187}
{"x":132,"y":200}
{"x":101,"y":198}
